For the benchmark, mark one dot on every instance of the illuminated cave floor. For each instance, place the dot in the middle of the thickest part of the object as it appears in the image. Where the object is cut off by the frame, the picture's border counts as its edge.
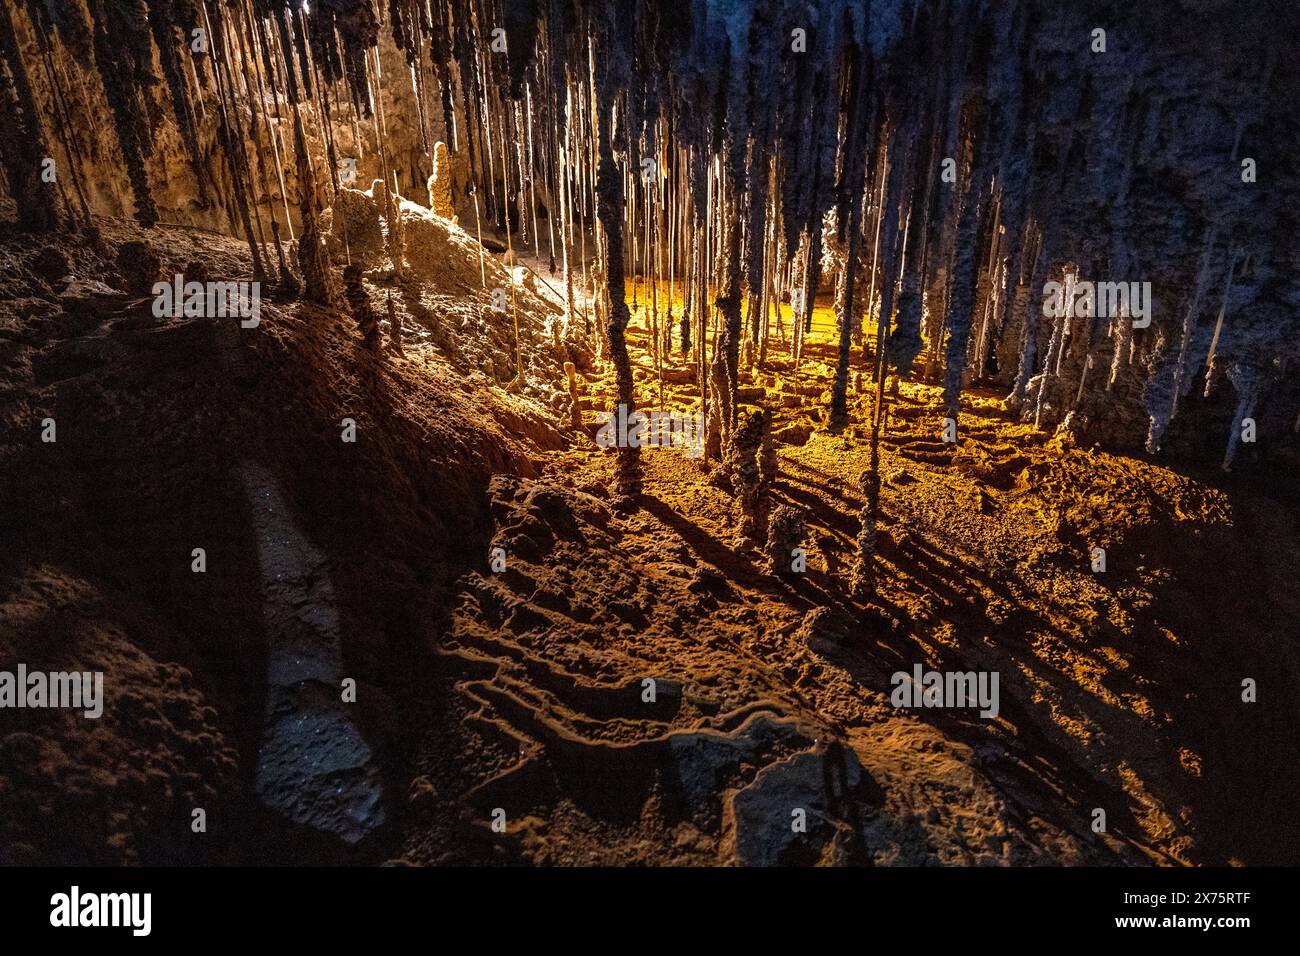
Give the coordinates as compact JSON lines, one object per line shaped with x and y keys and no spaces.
{"x":1119,"y":690}
{"x":520,"y":699}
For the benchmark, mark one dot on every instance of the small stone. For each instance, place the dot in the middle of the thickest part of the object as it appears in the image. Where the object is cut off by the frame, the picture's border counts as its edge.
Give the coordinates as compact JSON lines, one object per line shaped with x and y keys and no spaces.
{"x":824,"y":629}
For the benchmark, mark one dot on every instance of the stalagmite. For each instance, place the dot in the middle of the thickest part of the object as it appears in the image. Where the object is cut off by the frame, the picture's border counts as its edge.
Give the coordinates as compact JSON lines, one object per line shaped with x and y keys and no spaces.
{"x":359,"y":304}
{"x":785,"y":541}
{"x":745,"y":472}
{"x":575,"y":409}
{"x":440,"y":183}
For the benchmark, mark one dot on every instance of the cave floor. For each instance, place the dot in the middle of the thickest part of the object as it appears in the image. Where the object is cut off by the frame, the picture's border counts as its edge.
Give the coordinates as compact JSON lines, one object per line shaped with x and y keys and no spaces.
{"x":634,"y":686}
{"x":1121,"y":690}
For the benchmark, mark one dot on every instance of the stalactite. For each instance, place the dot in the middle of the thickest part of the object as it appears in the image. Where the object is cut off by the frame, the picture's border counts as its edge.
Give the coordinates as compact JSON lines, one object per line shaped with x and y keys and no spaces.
{"x":609,"y":205}
{"x":849,"y":213}
{"x":69,"y":18}
{"x":764,"y":42}
{"x":974,"y":222}
{"x":23,"y":149}
{"x":863,"y":582}
{"x":1245,"y":379}
{"x":1218,"y":324}
{"x":166,"y":35}
{"x":760,"y":144}
{"x":1029,"y":332}
{"x":905,"y":340}
{"x":64,"y":127}
{"x":1157,"y":392}
{"x":1183,"y":375}
{"x":257,"y":38}
{"x":231,"y":134}
{"x":1051,"y":362}
{"x":124,"y":56}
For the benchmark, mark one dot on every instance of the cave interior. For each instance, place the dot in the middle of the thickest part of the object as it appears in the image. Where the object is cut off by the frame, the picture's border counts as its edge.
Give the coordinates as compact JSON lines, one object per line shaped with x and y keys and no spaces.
{"x":604,"y":431}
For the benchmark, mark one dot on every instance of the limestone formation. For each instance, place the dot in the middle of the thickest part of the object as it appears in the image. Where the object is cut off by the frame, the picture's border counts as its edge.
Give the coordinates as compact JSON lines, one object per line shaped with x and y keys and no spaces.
{"x":359,"y":304}
{"x":440,"y":183}
{"x":785,"y":533}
